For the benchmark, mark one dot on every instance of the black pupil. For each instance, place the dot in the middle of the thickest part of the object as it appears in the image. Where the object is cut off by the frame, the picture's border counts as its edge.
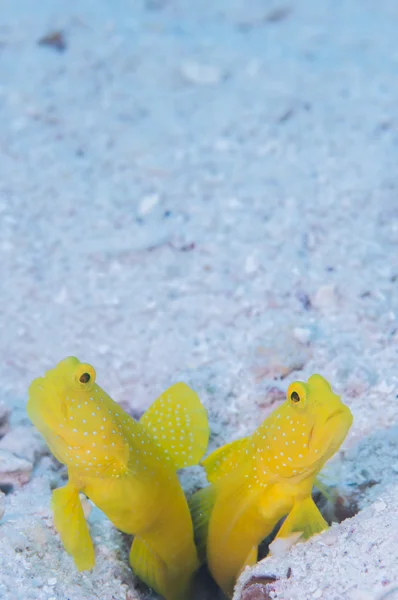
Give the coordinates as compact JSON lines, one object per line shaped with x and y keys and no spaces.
{"x":295,"y":397}
{"x":85,"y":378}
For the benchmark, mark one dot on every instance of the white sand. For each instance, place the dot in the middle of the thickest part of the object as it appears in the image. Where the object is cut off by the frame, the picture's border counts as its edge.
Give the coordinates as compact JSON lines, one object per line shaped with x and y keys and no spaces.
{"x":202,"y":191}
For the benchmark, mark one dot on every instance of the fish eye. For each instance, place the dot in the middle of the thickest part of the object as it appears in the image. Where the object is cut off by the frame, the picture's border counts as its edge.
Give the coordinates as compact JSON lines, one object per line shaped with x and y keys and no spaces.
{"x":297,"y":394}
{"x":84,"y":377}
{"x":294,"y":397}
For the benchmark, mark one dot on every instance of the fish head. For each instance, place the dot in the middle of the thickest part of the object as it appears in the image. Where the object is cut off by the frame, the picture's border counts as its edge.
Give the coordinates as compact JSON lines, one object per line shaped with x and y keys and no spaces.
{"x":77,"y":419}
{"x":308,"y":428}
{"x":53,"y":395}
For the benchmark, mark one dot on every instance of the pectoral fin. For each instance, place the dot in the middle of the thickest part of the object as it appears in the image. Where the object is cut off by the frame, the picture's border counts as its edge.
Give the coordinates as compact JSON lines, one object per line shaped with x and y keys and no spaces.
{"x":325,"y":490}
{"x":304,"y":517}
{"x":71,"y":525}
{"x":148,"y":566}
{"x":201,"y":506}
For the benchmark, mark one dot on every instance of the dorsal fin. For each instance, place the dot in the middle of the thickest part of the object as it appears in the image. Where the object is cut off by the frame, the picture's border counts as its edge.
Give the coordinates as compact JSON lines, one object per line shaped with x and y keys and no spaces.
{"x":223,"y":460}
{"x":177,"y":422}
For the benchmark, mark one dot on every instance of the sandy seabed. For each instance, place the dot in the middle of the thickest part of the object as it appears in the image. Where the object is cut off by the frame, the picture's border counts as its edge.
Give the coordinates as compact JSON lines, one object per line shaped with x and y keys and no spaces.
{"x":204,"y":191}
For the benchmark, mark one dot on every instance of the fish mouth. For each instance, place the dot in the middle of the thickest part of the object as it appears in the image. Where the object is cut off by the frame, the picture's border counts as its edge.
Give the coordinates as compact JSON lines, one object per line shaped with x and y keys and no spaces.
{"x":341,"y":423}
{"x":334,"y":414}
{"x":335,"y":417}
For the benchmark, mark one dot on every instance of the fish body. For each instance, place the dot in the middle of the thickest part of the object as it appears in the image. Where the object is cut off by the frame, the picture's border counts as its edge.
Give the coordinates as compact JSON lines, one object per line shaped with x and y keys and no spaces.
{"x":127,"y":468}
{"x":258,"y":480}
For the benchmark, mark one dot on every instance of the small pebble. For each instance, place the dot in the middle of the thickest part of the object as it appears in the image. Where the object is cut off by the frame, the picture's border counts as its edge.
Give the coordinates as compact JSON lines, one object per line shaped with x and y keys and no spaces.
{"x":280,"y":546}
{"x":379,"y":506}
{"x":103,"y":349}
{"x":258,"y":588}
{"x":302,"y":335}
{"x":326,"y":299}
{"x":251,"y":264}
{"x":200,"y":74}
{"x":38,"y":533}
{"x":253,"y":67}
{"x":360,"y":594}
{"x":257,"y":591}
{"x":2,"y":504}
{"x":52,"y":581}
{"x":331,"y":536}
{"x":17,"y":540}
{"x":384,"y":388}
{"x":61,"y":296}
{"x":24,"y":441}
{"x":14,"y":471}
{"x":55,"y":40}
{"x":4,"y":417}
{"x":147,"y":204}
{"x":222,"y":145}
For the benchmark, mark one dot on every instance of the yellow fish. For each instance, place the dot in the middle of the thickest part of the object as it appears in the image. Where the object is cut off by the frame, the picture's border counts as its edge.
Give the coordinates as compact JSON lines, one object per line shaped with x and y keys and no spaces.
{"x":127,"y":468}
{"x":257,"y":480}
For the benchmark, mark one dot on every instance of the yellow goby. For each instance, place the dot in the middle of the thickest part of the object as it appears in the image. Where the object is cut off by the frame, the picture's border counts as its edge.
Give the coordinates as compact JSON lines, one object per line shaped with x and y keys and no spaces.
{"x":127,"y":468}
{"x":258,"y":480}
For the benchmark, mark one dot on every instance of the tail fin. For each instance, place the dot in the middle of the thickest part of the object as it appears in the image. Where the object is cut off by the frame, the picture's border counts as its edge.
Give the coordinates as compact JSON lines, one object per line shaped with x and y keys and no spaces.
{"x":177,"y":421}
{"x":152,"y":570}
